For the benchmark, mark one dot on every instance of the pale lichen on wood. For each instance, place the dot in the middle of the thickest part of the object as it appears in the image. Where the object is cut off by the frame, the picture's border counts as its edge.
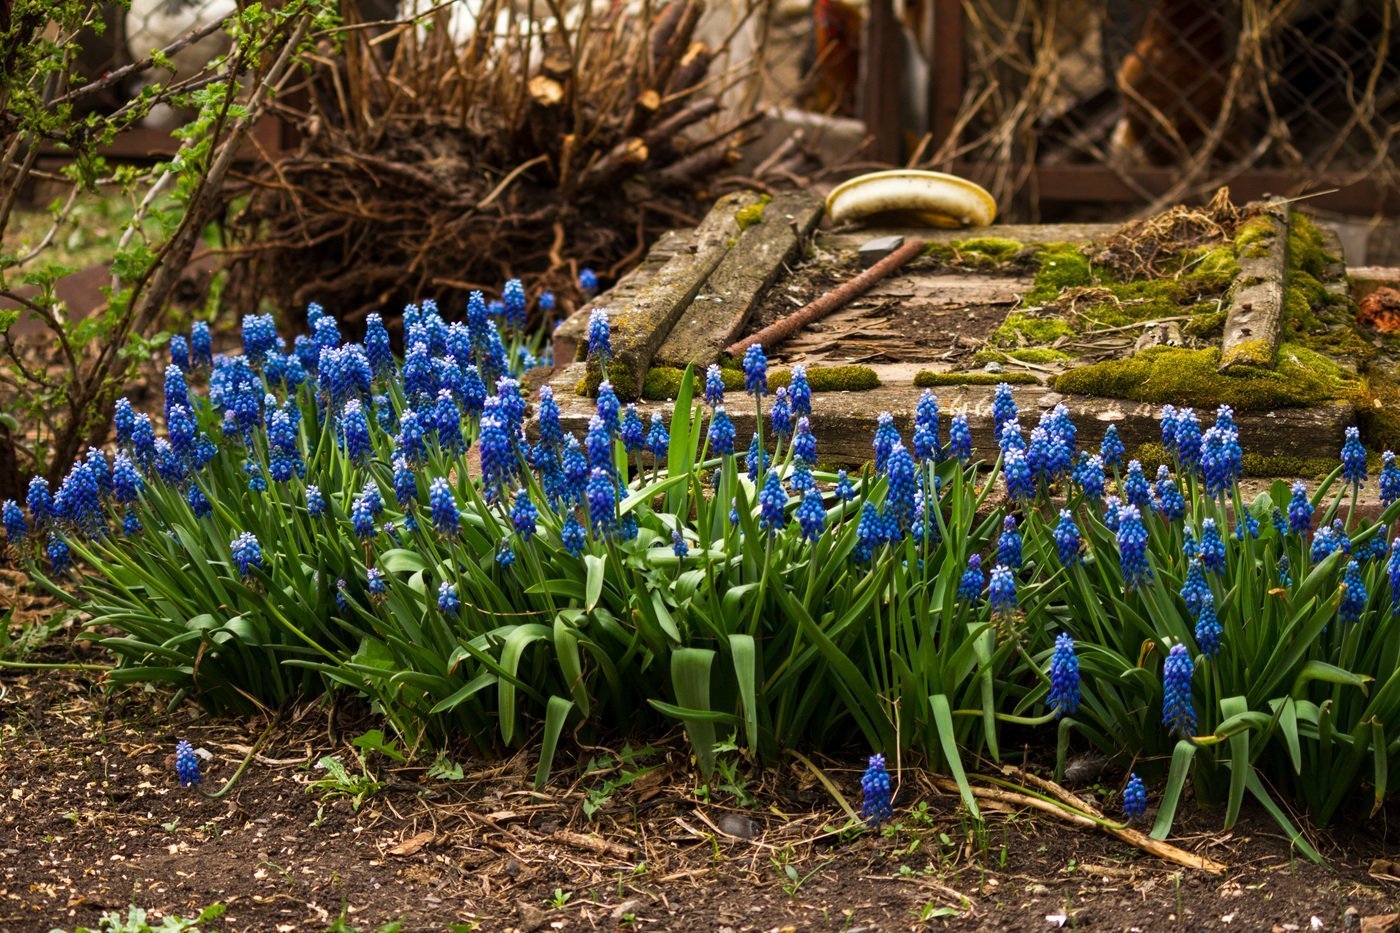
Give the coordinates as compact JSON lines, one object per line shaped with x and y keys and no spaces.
{"x":1254,"y":322}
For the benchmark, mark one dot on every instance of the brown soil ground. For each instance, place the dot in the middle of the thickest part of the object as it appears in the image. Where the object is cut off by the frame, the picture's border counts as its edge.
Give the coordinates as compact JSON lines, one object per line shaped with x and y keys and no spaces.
{"x":93,"y":820}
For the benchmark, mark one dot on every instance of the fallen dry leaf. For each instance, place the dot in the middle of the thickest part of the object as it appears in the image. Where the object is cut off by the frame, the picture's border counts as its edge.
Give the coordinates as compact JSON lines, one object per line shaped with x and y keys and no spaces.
{"x":1384,"y":869}
{"x":1380,"y":310}
{"x":413,"y":844}
{"x":1380,"y":923}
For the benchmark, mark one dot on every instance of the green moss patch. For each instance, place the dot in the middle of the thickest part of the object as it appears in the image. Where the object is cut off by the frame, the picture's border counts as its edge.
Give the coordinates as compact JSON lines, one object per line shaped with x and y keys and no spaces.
{"x":746,"y":217}
{"x":927,"y":379}
{"x":996,"y":248}
{"x":1191,"y":377}
{"x":1020,"y":329}
{"x":663,"y":382}
{"x":1059,"y":266}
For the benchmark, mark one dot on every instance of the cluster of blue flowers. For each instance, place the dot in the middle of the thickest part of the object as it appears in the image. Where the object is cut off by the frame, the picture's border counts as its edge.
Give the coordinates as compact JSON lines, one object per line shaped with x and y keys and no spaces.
{"x":294,"y":424}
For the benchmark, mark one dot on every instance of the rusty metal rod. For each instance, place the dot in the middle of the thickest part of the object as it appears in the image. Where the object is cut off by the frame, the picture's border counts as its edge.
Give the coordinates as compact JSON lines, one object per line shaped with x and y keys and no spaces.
{"x":846,"y":292}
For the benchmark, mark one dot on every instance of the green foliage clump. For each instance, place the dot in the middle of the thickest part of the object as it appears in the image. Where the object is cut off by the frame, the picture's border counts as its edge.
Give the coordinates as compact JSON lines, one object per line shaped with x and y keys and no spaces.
{"x":1192,"y":377}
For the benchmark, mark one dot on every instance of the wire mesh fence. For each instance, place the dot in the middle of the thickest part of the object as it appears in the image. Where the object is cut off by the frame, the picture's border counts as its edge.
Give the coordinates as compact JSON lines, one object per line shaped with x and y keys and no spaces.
{"x":1305,"y":90}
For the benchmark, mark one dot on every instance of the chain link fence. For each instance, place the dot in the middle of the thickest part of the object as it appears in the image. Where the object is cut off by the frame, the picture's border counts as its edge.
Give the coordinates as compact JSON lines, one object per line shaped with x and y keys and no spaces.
{"x":1171,"y":98}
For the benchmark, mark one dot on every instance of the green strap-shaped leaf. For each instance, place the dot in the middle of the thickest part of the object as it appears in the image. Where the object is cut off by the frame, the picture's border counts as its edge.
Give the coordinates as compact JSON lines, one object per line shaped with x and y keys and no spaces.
{"x":1176,"y":782}
{"x":943,"y":720}
{"x":690,"y":678}
{"x":744,"y":656}
{"x":556,"y":713}
{"x":1240,"y":765}
{"x":595,"y":565}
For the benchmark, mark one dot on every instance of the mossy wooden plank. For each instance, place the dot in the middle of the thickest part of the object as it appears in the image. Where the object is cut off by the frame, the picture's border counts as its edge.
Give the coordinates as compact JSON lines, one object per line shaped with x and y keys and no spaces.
{"x":571,"y":335}
{"x":1254,"y":322}
{"x":718,"y":314}
{"x":641,"y":322}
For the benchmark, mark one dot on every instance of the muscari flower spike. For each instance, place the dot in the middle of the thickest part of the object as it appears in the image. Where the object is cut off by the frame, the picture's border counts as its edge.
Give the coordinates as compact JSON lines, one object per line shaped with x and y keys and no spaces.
{"x":755,"y":371}
{"x":442,"y":505}
{"x":721,"y":433}
{"x":1353,"y":601}
{"x":588,"y":282}
{"x":1212,"y":548}
{"x":658,"y":439}
{"x":1178,"y":712}
{"x":1003,"y":405}
{"x":1064,"y":677}
{"x":844,"y":490}
{"x":1134,"y":799}
{"x":811,"y":515}
{"x":524,"y":515}
{"x":1390,"y":479}
{"x":678,"y":545}
{"x":1009,"y":544}
{"x":16,"y":528}
{"x":780,"y":415}
{"x":960,"y":438}
{"x":1353,"y":458}
{"x":1001,"y":590}
{"x":1208,"y":629}
{"x":800,"y":391}
{"x":1111,"y":448}
{"x":1068,"y":541}
{"x":714,"y":386}
{"x":1300,"y":509}
{"x":448,"y":603}
{"x":247,"y":554}
{"x":772,"y":504}
{"x":599,"y":336}
{"x":1132,"y":548}
{"x":186,"y":764}
{"x":876,"y":805}
{"x":572,"y":536}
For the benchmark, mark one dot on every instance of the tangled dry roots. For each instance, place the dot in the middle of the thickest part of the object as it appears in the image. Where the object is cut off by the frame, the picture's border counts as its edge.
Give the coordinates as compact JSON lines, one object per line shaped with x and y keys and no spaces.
{"x":427,"y":168}
{"x":1139,"y":247}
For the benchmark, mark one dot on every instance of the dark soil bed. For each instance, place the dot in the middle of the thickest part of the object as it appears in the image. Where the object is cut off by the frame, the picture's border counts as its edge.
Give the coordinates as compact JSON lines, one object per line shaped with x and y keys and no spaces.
{"x":93,"y":820}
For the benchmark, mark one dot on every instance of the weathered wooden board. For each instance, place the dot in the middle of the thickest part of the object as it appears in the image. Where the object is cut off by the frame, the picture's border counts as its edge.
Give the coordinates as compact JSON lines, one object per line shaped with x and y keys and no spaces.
{"x":1254,"y":322}
{"x":719,"y":312}
{"x":642,"y":322}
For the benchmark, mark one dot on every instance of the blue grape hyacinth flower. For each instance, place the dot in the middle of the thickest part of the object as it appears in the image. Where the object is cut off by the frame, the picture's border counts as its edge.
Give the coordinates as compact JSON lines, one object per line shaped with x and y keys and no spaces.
{"x":16,"y":528}
{"x":1009,"y":544}
{"x":811,"y":515}
{"x":876,"y":805}
{"x":186,"y":764}
{"x":721,"y":433}
{"x":678,"y":545}
{"x":1300,"y":509}
{"x":772,"y":502}
{"x":1134,"y":799}
{"x":973,"y":581}
{"x":588,"y":282}
{"x":714,"y":386}
{"x":1064,"y":694}
{"x":1390,"y":479}
{"x":755,"y":371}
{"x":1212,"y":547}
{"x":1178,"y":711}
{"x":1003,"y":405}
{"x":800,"y":391}
{"x":599,"y":337}
{"x":1353,"y":458}
{"x":1068,"y":541}
{"x":1208,"y":629}
{"x":960,"y":438}
{"x":1354,"y":594}
{"x":448,"y":603}
{"x":1132,"y":548}
{"x":247,"y":554}
{"x":1001,"y":590}
{"x":1111,"y":448}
